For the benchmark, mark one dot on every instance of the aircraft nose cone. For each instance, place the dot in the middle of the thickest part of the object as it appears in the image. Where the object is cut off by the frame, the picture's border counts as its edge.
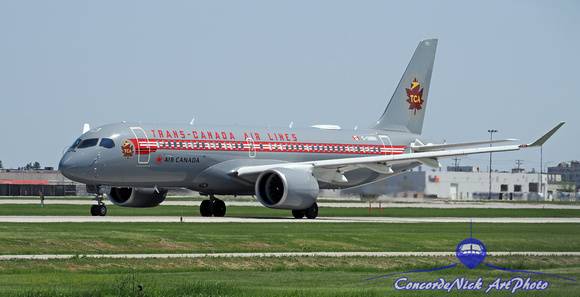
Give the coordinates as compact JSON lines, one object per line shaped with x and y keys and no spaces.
{"x":75,"y":166}
{"x":66,"y":165}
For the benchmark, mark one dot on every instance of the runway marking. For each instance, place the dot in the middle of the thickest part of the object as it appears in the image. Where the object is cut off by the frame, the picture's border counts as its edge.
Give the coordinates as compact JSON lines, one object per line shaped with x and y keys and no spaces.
{"x":169,"y":219}
{"x":269,"y":255}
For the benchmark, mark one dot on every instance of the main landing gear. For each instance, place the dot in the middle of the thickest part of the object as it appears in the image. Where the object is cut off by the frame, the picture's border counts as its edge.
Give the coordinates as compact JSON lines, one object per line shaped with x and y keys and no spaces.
{"x":217,"y":208}
{"x":212,"y":206}
{"x":100,"y":209}
{"x":311,"y":212}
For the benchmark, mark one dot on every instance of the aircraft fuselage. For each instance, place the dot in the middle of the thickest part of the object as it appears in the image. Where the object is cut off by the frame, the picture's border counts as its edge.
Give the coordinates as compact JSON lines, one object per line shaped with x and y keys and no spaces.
{"x":202,"y":158}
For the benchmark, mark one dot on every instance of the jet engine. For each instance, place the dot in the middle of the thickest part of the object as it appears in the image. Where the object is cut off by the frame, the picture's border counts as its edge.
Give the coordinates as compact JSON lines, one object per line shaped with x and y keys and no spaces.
{"x":136,"y":197}
{"x":285,"y":188}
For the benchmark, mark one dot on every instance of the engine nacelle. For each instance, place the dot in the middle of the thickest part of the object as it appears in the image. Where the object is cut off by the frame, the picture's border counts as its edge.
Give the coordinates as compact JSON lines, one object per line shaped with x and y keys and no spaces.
{"x":136,"y":197}
{"x":285,"y":188}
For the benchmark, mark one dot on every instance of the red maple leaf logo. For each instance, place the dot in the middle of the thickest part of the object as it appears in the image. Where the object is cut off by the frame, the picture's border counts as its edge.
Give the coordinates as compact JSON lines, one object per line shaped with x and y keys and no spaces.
{"x":127,"y":150}
{"x":415,"y":96}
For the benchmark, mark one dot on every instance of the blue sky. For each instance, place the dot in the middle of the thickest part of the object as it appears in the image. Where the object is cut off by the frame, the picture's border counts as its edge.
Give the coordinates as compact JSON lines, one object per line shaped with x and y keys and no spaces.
{"x":505,"y":65}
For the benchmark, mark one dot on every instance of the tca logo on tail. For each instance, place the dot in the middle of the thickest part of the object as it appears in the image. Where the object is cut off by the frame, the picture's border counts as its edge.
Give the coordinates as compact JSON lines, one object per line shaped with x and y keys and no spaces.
{"x":414,"y":91}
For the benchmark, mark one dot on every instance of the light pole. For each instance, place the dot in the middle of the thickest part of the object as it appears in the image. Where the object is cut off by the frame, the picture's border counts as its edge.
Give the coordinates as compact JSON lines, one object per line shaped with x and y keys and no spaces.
{"x":491,"y":131}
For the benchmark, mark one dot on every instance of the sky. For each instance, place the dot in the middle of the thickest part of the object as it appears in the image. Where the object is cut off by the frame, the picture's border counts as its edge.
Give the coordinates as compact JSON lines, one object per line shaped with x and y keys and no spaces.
{"x":512,"y":66}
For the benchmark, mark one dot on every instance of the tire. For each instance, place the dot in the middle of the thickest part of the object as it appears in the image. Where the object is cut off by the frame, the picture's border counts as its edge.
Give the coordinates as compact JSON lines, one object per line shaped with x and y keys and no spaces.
{"x":205,"y":208}
{"x":94,"y":210}
{"x":218,"y":208}
{"x":298,"y":213}
{"x":312,"y":211}
{"x":101,"y":210}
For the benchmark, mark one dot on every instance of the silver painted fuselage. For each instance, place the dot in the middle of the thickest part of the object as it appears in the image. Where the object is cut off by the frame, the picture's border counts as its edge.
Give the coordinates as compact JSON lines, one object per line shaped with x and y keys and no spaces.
{"x":205,"y":158}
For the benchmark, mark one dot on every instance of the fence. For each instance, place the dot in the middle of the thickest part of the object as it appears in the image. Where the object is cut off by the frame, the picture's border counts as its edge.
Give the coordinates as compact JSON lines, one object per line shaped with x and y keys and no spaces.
{"x":35,"y":190}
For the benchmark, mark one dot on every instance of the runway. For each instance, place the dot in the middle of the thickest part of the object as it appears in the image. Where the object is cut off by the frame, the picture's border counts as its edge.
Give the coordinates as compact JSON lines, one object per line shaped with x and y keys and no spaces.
{"x":424,"y":203}
{"x":169,"y":219}
{"x":265,"y":255}
{"x":396,"y":203}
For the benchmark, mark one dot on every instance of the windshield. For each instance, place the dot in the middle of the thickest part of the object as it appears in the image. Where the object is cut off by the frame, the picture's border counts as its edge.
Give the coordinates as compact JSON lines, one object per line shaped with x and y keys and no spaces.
{"x":88,"y":143}
{"x":74,"y":145}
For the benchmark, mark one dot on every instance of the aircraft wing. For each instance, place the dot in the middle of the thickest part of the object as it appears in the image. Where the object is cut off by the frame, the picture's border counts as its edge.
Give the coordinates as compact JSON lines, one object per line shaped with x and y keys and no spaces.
{"x":420,"y":147}
{"x":333,"y":169}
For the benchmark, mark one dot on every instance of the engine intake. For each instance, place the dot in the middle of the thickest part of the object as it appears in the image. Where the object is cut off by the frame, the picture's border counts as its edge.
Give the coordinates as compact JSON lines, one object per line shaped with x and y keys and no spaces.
{"x":285,"y":188}
{"x":136,"y":197}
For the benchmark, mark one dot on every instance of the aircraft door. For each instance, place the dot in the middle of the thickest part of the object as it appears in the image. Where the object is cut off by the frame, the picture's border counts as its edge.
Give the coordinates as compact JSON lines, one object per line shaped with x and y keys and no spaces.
{"x":251,"y":147}
{"x":143,"y":155}
{"x":388,"y":148}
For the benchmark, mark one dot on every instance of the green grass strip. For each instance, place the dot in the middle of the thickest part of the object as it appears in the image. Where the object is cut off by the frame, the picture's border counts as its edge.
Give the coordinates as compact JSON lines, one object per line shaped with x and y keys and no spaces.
{"x":120,"y":238}
{"x":284,"y":276}
{"x":258,"y":211}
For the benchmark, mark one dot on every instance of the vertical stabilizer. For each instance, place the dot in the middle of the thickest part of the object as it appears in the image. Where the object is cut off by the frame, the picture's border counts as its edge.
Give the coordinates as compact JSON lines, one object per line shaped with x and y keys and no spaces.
{"x":406,"y":110}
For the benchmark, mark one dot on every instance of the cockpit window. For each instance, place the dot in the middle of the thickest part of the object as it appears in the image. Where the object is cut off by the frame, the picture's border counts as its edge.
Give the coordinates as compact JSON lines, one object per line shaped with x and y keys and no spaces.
{"x":107,"y":143}
{"x":74,"y":145}
{"x":88,"y":143}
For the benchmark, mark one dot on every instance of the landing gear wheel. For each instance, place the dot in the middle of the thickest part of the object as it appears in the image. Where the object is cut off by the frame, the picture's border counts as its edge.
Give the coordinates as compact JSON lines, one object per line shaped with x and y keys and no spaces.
{"x":101,"y":210}
{"x":218,"y":208}
{"x":205,"y":208}
{"x":298,"y":213}
{"x":312,"y":211}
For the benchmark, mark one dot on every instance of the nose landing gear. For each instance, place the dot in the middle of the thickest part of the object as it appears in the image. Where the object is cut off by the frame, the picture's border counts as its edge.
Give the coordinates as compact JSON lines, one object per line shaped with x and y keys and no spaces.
{"x":100,"y":209}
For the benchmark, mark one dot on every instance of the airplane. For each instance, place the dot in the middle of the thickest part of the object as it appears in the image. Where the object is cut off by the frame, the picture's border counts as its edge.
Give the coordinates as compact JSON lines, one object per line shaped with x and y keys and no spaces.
{"x":135,"y":164}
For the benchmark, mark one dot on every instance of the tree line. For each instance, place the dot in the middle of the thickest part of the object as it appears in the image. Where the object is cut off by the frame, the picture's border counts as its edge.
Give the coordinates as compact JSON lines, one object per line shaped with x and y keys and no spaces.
{"x":29,"y":166}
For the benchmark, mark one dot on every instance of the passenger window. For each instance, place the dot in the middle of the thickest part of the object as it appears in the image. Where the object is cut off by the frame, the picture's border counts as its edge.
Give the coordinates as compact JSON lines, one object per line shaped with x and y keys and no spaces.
{"x":107,"y":143}
{"x":88,"y":143}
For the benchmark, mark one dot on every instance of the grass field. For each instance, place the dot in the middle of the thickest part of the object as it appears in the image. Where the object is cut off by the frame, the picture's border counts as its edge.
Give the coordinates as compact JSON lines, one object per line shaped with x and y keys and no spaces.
{"x":96,"y":238}
{"x":273,"y":276}
{"x":285,"y":276}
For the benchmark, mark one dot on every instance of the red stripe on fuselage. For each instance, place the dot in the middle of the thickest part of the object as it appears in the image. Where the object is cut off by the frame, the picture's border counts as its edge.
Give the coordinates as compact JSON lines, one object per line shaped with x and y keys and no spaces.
{"x":151,"y":146}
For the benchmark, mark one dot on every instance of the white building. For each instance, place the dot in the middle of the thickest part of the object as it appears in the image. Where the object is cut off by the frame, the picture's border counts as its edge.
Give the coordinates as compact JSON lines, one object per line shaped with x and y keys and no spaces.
{"x":466,"y":185}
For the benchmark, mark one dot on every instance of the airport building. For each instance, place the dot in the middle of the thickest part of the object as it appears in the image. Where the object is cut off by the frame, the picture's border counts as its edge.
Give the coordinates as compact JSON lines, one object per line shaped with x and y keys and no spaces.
{"x":465,"y":183}
{"x":569,"y":172}
{"x":34,"y":182}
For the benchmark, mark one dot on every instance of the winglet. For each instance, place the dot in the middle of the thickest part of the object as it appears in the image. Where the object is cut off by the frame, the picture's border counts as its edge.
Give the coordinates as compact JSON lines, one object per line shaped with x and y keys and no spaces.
{"x":86,"y":128}
{"x":540,"y":141}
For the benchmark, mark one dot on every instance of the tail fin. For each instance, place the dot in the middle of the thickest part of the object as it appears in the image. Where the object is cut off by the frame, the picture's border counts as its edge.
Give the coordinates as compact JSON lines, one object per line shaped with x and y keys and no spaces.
{"x":406,"y":109}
